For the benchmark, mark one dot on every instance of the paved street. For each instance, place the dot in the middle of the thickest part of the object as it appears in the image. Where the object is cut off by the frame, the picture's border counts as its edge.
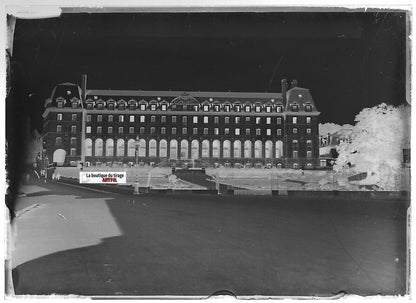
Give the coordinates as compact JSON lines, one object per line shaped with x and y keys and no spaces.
{"x":92,"y":243}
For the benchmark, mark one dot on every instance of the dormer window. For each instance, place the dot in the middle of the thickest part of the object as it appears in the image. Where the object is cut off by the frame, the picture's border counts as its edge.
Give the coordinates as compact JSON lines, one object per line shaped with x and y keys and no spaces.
{"x":74,"y":104}
{"x":122,"y":106}
{"x":268,"y":109}
{"x":153,"y":107}
{"x":227,"y":108}
{"x":142,"y":106}
{"x":100,"y":106}
{"x":195,"y":108}
{"x":258,"y":108}
{"x":206,"y":108}
{"x":216,"y":108}
{"x":173,"y":107}
{"x":111,"y":106}
{"x":294,"y":107}
{"x":279,"y":108}
{"x":237,"y":108}
{"x":132,"y":105}
{"x":308,"y":108}
{"x":60,"y":104}
{"x":89,"y":105}
{"x":247,"y":108}
{"x":164,"y":107}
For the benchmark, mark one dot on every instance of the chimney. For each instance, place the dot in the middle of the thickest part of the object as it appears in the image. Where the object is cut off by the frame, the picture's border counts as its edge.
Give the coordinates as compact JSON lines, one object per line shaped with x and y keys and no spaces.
{"x":284,"y":89}
{"x":84,"y":87}
{"x":294,"y":83}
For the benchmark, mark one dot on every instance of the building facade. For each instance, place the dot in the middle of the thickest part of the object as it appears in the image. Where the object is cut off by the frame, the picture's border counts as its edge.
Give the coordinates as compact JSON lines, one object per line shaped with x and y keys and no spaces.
{"x":174,"y":127}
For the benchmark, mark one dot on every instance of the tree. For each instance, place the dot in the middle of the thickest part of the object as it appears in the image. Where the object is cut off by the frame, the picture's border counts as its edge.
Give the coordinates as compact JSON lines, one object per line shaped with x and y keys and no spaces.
{"x":377,"y":142}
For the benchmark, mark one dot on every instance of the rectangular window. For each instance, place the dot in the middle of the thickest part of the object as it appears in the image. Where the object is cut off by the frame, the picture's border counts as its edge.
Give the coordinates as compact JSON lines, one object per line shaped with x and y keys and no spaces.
{"x":308,"y":120}
{"x":237,"y":108}
{"x":58,"y":141}
{"x":163,"y":130}
{"x":247,"y":132}
{"x":99,"y":118}
{"x":110,"y":118}
{"x":142,"y":130}
{"x":173,"y":130}
{"x":308,"y":108}
{"x":131,"y":118}
{"x":216,"y":120}
{"x":216,"y":108}
{"x":173,"y":119}
{"x":237,"y":131}
{"x":153,"y":107}
{"x":295,"y":130}
{"x":195,"y":131}
{"x":110,"y":130}
{"x":227,"y":120}
{"x":294,"y":120}
{"x":122,"y":106}
{"x":163,"y":119}
{"x":88,"y":118}
{"x":226,"y":108}
{"x":278,"y":132}
{"x":74,"y":117}
{"x":196,"y":108}
{"x":142,"y":106}
{"x":206,"y":108}
{"x":279,"y":109}
{"x":258,"y":131}
{"x":268,"y":132}
{"x":184,"y":130}
{"x":237,"y":120}
{"x":268,"y":109}
{"x":258,"y":120}
{"x":73,"y":141}
{"x":205,"y":120}
{"x":295,"y":108}
{"x":308,"y":154}
{"x":110,"y":106}
{"x":131,"y":130}
{"x":195,"y":119}
{"x":99,"y":129}
{"x":268,"y":120}
{"x":59,"y":117}
{"x":247,"y":108}
{"x":205,"y":131}
{"x":73,"y":129}
{"x":163,"y":107}
{"x":279,"y":120}
{"x":152,"y":119}
{"x":216,"y":131}
{"x":142,"y":119}
{"x":121,"y":130}
{"x":308,"y":130}
{"x":60,"y":104}
{"x":184,"y":119}
{"x":121,"y":118}
{"x":308,"y":144}
{"x":152,"y":130}
{"x":100,"y":106}
{"x":295,"y":144}
{"x":295,"y":154}
{"x":88,"y":130}
{"x":73,"y":152}
{"x":226,"y":131}
{"x":248,"y":120}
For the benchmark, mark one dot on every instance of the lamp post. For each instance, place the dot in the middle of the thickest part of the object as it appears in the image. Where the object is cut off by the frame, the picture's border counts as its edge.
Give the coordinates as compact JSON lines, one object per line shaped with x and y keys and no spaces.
{"x":137,"y":145}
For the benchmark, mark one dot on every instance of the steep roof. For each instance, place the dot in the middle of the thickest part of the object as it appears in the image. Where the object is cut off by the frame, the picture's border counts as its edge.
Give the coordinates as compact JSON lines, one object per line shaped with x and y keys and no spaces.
{"x":300,"y":96}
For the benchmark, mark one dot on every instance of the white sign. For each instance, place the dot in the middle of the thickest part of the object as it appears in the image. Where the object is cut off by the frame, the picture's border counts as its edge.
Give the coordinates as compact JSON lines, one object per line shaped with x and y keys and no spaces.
{"x":93,"y":177}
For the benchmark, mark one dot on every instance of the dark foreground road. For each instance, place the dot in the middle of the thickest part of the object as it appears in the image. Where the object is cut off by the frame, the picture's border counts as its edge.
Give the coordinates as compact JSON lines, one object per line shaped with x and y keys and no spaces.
{"x":197,"y":245}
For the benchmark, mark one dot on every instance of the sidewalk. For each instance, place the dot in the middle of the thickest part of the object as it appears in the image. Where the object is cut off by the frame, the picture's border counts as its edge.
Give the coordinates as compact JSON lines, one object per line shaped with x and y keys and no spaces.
{"x":57,"y":223}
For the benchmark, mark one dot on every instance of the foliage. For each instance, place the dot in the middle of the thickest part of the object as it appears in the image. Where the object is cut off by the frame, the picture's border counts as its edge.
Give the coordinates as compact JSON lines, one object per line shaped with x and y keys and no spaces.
{"x":377,"y":142}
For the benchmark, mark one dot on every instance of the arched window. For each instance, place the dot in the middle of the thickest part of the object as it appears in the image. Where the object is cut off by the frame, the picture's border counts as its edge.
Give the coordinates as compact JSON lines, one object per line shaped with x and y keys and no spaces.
{"x":120,"y":148}
{"x":195,"y":149}
{"x":258,"y":149}
{"x":205,"y":149}
{"x":184,"y":149}
{"x":152,"y":148}
{"x":279,"y":149}
{"x":109,"y":148}
{"x":88,"y":147}
{"x":131,"y":148}
{"x":226,"y":149}
{"x":247,"y":149}
{"x":59,"y":156}
{"x":142,"y":148}
{"x":163,"y":148}
{"x":237,"y":149}
{"x":216,"y":149}
{"x":173,"y":153}
{"x":269,"y":149}
{"x":98,"y":147}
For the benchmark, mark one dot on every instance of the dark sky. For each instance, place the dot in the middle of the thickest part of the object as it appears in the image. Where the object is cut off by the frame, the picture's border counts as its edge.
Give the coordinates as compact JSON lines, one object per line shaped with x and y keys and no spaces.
{"x":347,"y":60}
